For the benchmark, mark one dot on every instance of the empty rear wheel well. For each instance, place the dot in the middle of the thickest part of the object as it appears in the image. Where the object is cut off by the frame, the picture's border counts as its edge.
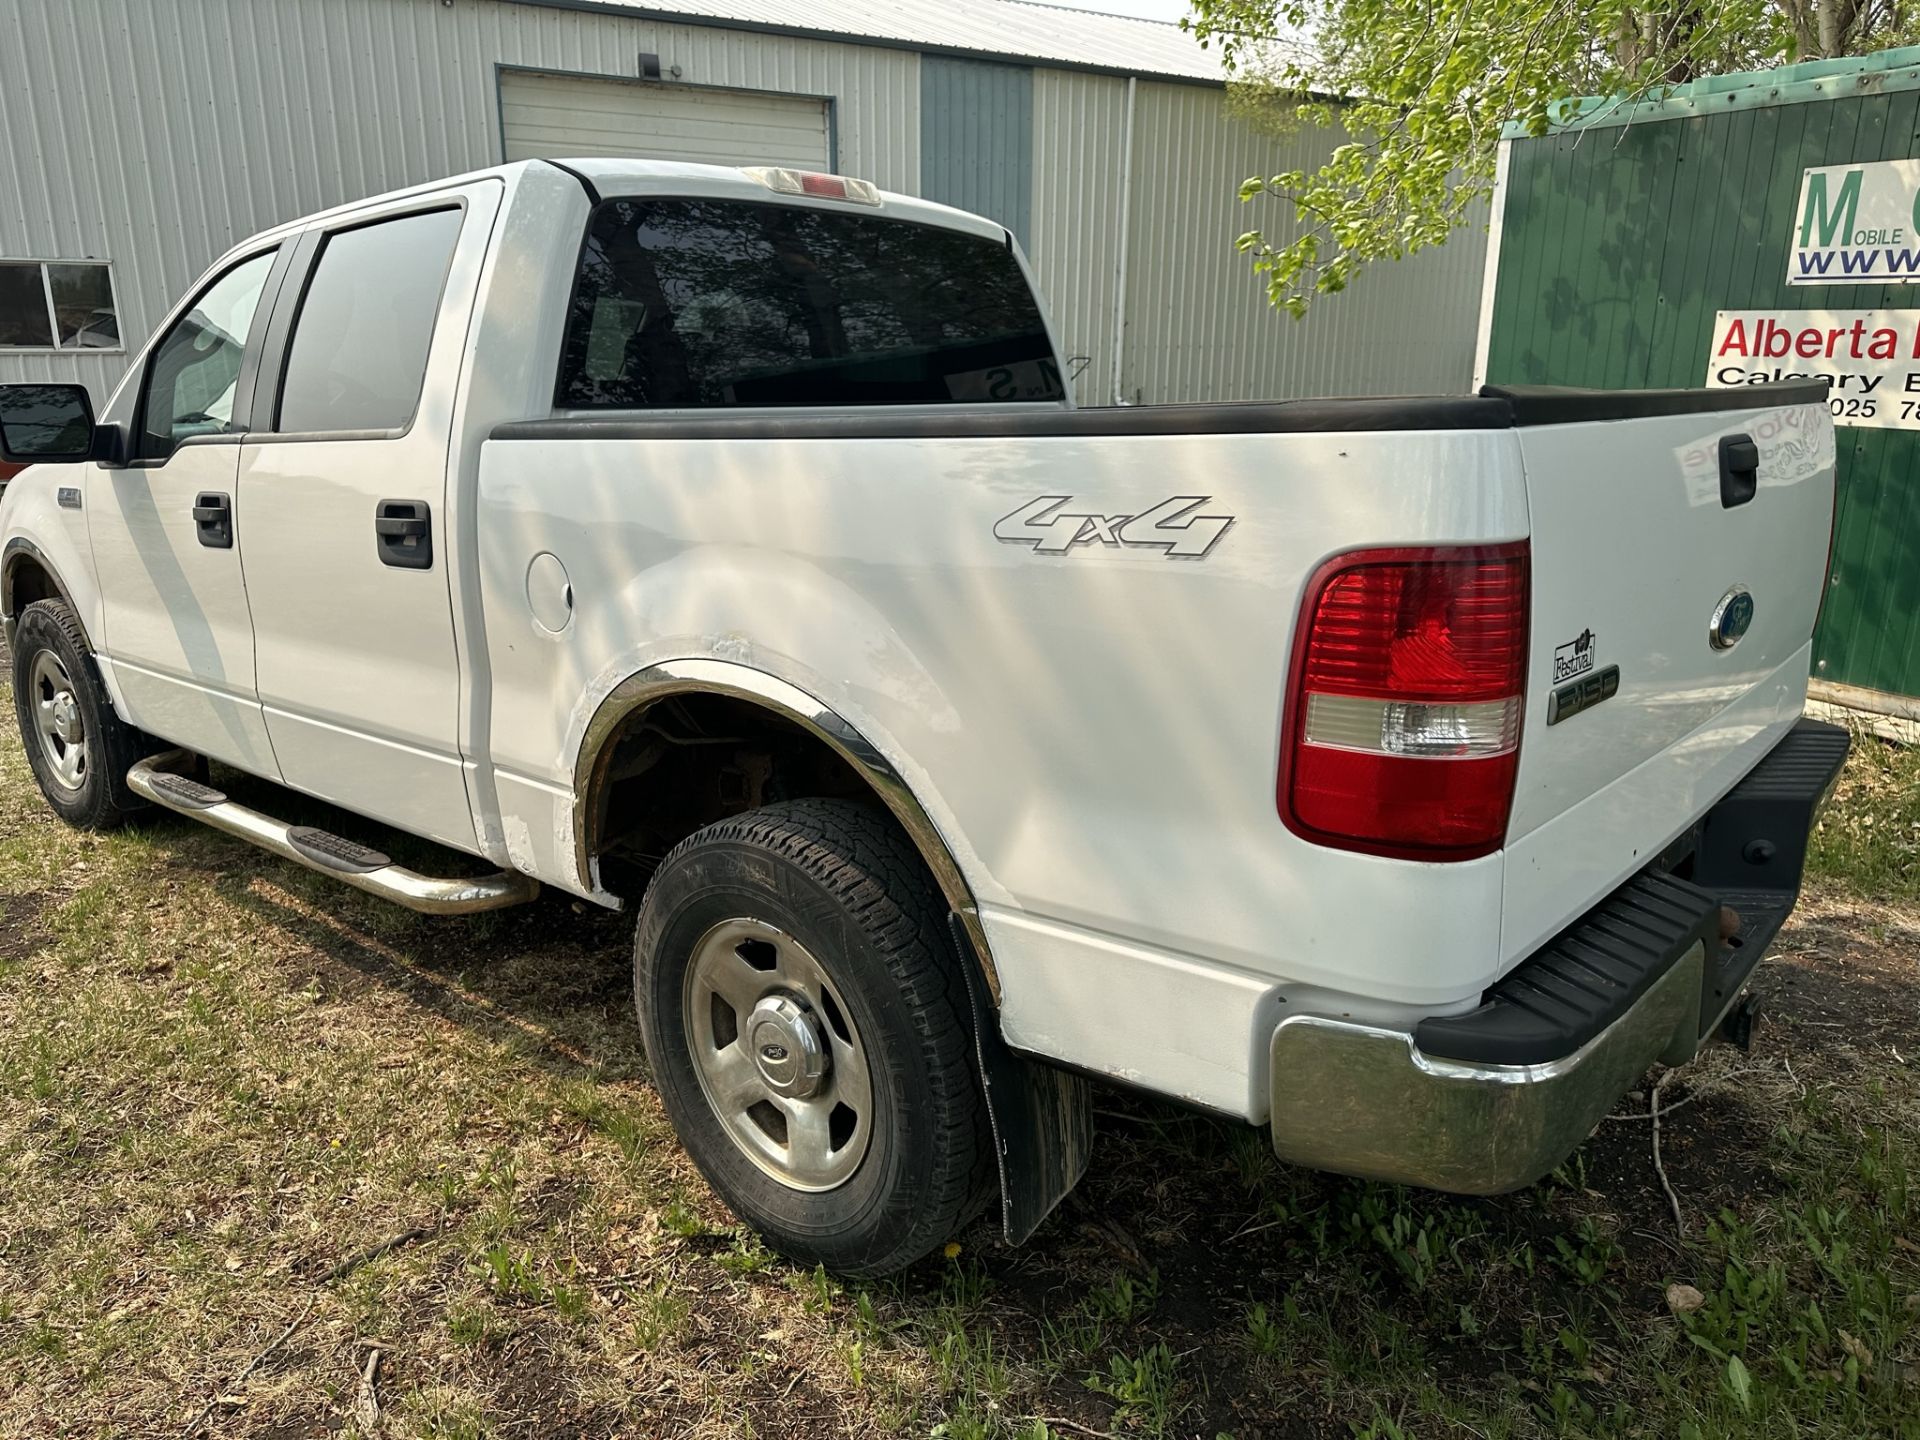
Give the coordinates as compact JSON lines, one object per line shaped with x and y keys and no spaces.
{"x":685,"y":743}
{"x":685,"y":761}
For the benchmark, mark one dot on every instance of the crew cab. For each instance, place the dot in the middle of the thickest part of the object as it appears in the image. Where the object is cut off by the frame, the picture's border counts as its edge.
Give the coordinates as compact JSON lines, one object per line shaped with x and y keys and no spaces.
{"x":1406,"y":776}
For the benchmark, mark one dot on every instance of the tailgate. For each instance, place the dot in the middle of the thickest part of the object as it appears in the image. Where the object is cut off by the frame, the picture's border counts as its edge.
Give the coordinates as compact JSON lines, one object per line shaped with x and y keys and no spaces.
{"x":1674,"y":596}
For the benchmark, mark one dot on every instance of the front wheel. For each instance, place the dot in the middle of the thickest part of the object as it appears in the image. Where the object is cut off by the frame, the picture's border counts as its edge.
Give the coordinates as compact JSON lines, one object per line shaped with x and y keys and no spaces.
{"x":79,"y":749}
{"x":809,"y":1032}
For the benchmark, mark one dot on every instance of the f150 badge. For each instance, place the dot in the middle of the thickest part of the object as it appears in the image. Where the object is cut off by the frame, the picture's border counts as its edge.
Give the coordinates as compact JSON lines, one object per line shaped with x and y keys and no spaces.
{"x":1171,"y":526}
{"x":1575,"y":659}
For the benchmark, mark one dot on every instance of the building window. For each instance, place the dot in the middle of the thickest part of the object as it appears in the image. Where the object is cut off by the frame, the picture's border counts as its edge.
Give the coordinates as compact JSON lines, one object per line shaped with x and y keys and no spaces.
{"x":57,"y":304}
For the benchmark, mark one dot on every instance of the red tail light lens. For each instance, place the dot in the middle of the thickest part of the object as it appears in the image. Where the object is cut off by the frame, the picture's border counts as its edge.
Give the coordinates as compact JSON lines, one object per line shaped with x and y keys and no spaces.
{"x":811,"y":182}
{"x":1402,"y":734}
{"x":827,"y":187}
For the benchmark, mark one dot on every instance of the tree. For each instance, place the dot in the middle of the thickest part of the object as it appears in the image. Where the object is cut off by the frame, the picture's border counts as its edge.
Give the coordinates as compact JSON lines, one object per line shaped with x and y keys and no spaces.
{"x":1421,"y":89}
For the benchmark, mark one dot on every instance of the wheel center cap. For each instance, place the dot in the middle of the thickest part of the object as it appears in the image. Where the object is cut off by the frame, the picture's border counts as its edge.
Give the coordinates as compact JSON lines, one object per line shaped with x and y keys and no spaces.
{"x":66,"y":717}
{"x":787,"y":1047}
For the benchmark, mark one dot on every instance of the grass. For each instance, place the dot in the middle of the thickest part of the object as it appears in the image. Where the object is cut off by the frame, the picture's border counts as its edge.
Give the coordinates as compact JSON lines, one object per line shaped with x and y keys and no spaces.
{"x":254,"y":1128}
{"x":1869,"y":839}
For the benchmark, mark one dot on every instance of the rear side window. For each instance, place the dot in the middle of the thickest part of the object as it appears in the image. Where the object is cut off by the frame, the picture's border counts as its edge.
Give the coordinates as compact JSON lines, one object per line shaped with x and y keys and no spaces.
{"x":702,"y":303}
{"x":359,"y":353}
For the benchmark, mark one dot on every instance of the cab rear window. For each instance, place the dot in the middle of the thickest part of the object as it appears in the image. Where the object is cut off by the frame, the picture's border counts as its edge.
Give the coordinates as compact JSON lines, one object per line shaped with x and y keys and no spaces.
{"x":691,"y":304}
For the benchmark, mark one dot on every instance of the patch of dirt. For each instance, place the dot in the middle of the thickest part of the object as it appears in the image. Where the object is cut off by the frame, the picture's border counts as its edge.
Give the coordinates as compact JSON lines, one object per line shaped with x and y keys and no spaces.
{"x":21,"y":932}
{"x":1844,"y":980}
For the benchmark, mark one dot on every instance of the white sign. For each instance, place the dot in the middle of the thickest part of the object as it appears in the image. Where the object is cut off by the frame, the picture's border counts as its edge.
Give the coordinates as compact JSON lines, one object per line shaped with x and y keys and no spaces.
{"x":1869,"y":358}
{"x":1857,"y":225}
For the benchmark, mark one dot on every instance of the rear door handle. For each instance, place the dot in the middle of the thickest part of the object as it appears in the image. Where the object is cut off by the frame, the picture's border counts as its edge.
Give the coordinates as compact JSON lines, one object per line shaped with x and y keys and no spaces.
{"x":403,"y":534}
{"x":1739,"y":470}
{"x":213,"y":519}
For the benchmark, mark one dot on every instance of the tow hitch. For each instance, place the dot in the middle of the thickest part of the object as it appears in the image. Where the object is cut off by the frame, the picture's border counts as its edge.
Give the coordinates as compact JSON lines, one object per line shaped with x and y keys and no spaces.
{"x":1742,"y":1022}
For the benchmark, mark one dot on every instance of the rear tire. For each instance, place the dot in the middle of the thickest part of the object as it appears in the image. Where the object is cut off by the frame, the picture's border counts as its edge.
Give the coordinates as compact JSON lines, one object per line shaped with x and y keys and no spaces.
{"x":79,"y":749}
{"x":810,"y":1034}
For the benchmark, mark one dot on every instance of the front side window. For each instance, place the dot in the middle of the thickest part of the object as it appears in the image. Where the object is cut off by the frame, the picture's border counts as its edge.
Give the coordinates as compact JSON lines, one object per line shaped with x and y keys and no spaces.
{"x":700,"y":303}
{"x":195,"y":369}
{"x":63,"y":304}
{"x":358,"y":359}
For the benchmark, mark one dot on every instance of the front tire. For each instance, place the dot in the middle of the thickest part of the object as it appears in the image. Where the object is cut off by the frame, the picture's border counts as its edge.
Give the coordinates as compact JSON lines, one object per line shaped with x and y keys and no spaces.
{"x":810,"y":1035}
{"x":79,"y":749}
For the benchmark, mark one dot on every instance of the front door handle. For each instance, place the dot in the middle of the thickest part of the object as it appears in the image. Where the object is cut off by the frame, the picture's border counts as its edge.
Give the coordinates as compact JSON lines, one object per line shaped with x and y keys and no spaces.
{"x":213,"y":519}
{"x":403,"y":534}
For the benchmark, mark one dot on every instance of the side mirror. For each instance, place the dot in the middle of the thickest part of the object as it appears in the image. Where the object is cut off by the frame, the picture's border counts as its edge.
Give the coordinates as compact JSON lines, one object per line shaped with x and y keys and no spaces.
{"x":45,"y":424}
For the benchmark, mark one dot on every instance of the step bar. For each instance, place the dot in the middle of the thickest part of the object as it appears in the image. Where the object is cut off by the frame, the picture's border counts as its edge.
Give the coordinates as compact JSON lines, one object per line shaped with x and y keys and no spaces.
{"x":160,"y":780}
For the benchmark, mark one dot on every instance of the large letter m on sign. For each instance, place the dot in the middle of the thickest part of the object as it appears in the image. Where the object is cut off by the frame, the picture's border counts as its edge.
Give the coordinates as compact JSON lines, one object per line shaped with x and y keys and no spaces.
{"x":1831,"y":218}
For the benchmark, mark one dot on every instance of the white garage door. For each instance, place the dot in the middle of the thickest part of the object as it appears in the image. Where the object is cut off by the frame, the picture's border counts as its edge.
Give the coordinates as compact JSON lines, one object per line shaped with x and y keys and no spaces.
{"x":560,"y":115}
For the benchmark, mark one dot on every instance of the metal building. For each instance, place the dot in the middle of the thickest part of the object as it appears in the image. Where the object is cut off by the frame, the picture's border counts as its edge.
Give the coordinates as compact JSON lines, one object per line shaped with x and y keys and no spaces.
{"x":141,"y":138}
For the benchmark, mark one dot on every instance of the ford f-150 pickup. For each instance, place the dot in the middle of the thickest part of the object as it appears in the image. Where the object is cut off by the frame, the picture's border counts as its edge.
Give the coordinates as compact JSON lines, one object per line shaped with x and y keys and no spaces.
{"x":1406,"y":776}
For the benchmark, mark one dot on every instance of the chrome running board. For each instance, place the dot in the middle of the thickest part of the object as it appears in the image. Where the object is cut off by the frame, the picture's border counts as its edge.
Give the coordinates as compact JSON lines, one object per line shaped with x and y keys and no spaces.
{"x":159,"y":779}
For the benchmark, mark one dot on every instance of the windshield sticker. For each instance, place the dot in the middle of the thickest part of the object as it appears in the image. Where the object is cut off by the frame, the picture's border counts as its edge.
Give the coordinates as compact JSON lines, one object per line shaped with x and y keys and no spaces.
{"x":1021,"y":380}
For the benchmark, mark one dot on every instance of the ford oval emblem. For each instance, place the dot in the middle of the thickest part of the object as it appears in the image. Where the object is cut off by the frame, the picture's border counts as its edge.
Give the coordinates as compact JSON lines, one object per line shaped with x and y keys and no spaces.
{"x":1732,"y":618}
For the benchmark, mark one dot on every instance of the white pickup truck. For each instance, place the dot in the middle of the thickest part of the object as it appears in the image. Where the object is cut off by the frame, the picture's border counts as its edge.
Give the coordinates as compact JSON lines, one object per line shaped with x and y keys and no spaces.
{"x":723,"y":542}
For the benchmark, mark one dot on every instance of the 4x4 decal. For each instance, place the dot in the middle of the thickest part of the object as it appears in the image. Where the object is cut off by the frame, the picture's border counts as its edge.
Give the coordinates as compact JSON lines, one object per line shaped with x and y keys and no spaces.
{"x":1171,"y":526}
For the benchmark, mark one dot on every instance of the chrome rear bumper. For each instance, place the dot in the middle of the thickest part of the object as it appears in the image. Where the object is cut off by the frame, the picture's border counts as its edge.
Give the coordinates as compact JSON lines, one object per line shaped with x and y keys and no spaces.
{"x":1493,"y":1099}
{"x":1362,"y":1101}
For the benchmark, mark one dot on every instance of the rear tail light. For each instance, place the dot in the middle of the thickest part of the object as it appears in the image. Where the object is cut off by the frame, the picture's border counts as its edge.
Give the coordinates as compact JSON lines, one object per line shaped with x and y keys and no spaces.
{"x":1402,"y":730}
{"x":811,"y":182}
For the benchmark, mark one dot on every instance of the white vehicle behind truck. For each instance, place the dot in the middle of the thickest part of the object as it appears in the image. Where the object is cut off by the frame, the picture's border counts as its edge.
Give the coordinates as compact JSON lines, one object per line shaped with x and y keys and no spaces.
{"x":723,"y":543}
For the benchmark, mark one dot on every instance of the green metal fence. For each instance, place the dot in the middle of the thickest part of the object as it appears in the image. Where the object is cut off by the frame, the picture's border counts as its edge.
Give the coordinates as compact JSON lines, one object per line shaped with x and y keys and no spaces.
{"x":1627,"y":228}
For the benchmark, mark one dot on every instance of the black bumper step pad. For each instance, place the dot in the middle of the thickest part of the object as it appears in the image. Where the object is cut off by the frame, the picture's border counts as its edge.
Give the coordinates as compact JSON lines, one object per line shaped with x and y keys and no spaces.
{"x":1756,"y":838}
{"x":1559,"y":998}
{"x":1749,"y":854}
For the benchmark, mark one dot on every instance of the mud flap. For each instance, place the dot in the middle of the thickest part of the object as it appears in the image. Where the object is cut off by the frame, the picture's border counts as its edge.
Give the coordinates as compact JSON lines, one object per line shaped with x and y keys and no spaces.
{"x":1042,"y":1118}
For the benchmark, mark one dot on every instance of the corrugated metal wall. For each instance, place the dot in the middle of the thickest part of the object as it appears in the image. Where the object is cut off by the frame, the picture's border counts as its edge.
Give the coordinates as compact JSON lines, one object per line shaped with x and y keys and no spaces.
{"x":1406,"y":327}
{"x":1197,"y":323}
{"x":1078,"y":124}
{"x":1620,"y":244}
{"x":976,"y":138}
{"x":245,"y":113}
